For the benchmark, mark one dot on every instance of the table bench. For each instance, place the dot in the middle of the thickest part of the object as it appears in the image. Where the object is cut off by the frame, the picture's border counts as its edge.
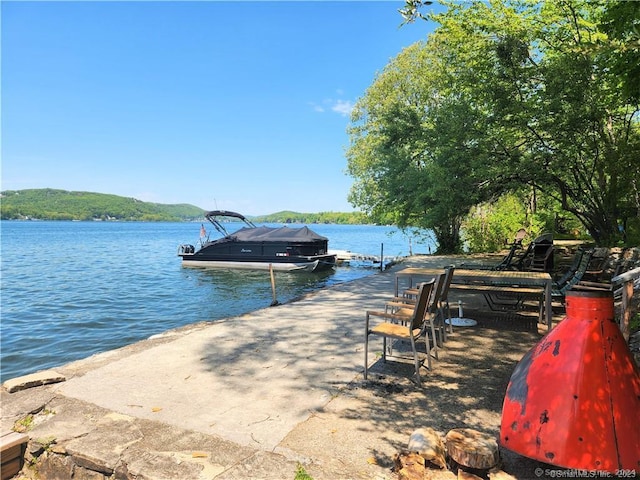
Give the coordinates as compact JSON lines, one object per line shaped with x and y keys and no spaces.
{"x":501,"y":298}
{"x":502,"y":289}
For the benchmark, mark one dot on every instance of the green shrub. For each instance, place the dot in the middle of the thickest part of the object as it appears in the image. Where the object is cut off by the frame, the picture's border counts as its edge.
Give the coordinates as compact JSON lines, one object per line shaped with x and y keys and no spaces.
{"x":489,"y":227}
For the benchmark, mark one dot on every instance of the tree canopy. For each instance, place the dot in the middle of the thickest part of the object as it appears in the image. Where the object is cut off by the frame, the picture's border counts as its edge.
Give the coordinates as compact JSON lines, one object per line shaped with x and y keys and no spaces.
{"x":503,"y":96}
{"x":338,"y":218}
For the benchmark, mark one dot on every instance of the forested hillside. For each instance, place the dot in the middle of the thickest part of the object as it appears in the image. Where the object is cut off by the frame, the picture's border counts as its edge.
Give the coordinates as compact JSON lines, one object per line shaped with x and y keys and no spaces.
{"x":352,"y":218}
{"x":50,"y":204}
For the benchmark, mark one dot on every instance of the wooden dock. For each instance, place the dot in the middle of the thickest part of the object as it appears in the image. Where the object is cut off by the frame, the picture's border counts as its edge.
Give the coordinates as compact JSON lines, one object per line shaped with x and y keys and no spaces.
{"x":347,"y":257}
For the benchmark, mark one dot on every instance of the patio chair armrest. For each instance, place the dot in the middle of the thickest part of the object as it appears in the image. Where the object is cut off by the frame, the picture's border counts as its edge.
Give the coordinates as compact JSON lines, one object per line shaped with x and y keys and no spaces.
{"x":400,"y":304}
{"x":406,"y":300}
{"x":395,"y":316}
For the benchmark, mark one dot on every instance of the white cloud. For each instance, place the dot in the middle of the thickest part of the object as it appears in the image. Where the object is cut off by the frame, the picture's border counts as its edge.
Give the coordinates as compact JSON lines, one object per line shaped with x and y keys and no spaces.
{"x":343,"y":107}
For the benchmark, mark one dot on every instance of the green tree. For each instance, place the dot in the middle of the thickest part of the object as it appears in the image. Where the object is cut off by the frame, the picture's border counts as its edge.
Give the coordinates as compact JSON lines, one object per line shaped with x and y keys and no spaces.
{"x":621,"y":22}
{"x":504,"y":95}
{"x":399,"y":157}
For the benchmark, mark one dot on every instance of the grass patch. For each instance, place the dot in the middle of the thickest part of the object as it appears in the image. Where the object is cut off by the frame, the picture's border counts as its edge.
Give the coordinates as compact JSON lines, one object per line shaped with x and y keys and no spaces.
{"x":23,"y":425}
{"x":27,"y":423}
{"x":301,"y":474}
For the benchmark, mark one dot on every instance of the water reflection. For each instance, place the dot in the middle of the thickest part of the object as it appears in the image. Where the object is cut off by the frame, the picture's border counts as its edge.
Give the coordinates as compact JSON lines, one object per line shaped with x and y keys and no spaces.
{"x":236,"y":285}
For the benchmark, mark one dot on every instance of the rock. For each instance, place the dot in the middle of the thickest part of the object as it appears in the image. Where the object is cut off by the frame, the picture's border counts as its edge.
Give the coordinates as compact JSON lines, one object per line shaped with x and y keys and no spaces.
{"x":427,"y":443}
{"x":37,"y":379}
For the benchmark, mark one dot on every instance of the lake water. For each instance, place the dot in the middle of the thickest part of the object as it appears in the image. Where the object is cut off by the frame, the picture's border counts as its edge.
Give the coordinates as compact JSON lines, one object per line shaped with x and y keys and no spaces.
{"x":73,"y":289}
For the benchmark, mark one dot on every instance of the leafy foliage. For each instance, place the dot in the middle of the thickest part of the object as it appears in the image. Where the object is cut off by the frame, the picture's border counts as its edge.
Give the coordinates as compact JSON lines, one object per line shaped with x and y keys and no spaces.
{"x":50,"y":204}
{"x":505,"y":96}
{"x":621,"y":22}
{"x":492,"y":225}
{"x":401,"y":168}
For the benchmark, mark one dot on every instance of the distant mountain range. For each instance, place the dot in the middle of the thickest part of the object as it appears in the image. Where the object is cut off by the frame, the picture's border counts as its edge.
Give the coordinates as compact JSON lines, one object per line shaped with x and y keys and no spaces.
{"x":52,"y":204}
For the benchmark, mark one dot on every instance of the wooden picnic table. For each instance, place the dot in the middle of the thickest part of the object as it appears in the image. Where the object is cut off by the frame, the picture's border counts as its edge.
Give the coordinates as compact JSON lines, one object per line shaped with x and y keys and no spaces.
{"x":491,"y":282}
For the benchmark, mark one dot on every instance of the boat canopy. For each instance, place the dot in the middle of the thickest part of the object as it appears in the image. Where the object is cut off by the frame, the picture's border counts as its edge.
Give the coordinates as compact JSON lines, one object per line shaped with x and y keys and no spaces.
{"x":277,"y":234}
{"x":262,"y":234}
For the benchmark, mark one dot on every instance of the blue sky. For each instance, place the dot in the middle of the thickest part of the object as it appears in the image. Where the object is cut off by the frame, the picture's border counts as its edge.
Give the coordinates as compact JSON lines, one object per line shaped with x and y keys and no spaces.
{"x":233,"y":105}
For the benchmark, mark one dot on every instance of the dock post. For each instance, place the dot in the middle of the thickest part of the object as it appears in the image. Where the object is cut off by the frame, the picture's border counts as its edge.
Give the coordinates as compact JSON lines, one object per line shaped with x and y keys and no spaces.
{"x":273,"y":286}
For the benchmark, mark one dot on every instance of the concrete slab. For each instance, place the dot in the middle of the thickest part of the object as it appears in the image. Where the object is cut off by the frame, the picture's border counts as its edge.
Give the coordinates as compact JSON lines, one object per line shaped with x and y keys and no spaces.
{"x":248,"y":379}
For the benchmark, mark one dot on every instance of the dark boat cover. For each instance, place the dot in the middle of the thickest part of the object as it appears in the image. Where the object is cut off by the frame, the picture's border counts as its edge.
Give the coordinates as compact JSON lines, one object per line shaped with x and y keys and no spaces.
{"x":273,"y":234}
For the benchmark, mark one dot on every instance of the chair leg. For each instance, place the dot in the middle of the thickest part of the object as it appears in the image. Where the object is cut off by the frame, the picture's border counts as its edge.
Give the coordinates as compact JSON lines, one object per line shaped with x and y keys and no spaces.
{"x":440,"y":328}
{"x":366,"y":348}
{"x":428,"y":348}
{"x":384,"y":349}
{"x":436,"y":347}
{"x":446,"y":329}
{"x":438,"y":338}
{"x":459,"y":314}
{"x":416,"y":361}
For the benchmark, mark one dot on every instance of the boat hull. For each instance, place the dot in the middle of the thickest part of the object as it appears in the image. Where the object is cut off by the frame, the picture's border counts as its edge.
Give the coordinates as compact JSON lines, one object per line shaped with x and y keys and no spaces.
{"x":309,"y":264}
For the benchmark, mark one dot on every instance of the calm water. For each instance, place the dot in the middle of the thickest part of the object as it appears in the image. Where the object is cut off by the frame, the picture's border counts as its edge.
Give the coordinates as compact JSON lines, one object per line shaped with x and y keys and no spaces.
{"x":72,"y":289}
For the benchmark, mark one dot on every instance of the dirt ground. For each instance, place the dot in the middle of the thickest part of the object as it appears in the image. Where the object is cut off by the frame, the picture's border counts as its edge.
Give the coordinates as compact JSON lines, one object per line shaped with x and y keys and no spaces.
{"x":465,"y":388}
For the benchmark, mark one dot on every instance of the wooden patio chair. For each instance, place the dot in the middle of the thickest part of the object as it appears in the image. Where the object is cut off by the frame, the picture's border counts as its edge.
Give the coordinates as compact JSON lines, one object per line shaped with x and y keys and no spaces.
{"x":537,"y":257}
{"x":435,"y":310}
{"x":443,"y":304}
{"x":439,"y":307}
{"x":406,"y":323}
